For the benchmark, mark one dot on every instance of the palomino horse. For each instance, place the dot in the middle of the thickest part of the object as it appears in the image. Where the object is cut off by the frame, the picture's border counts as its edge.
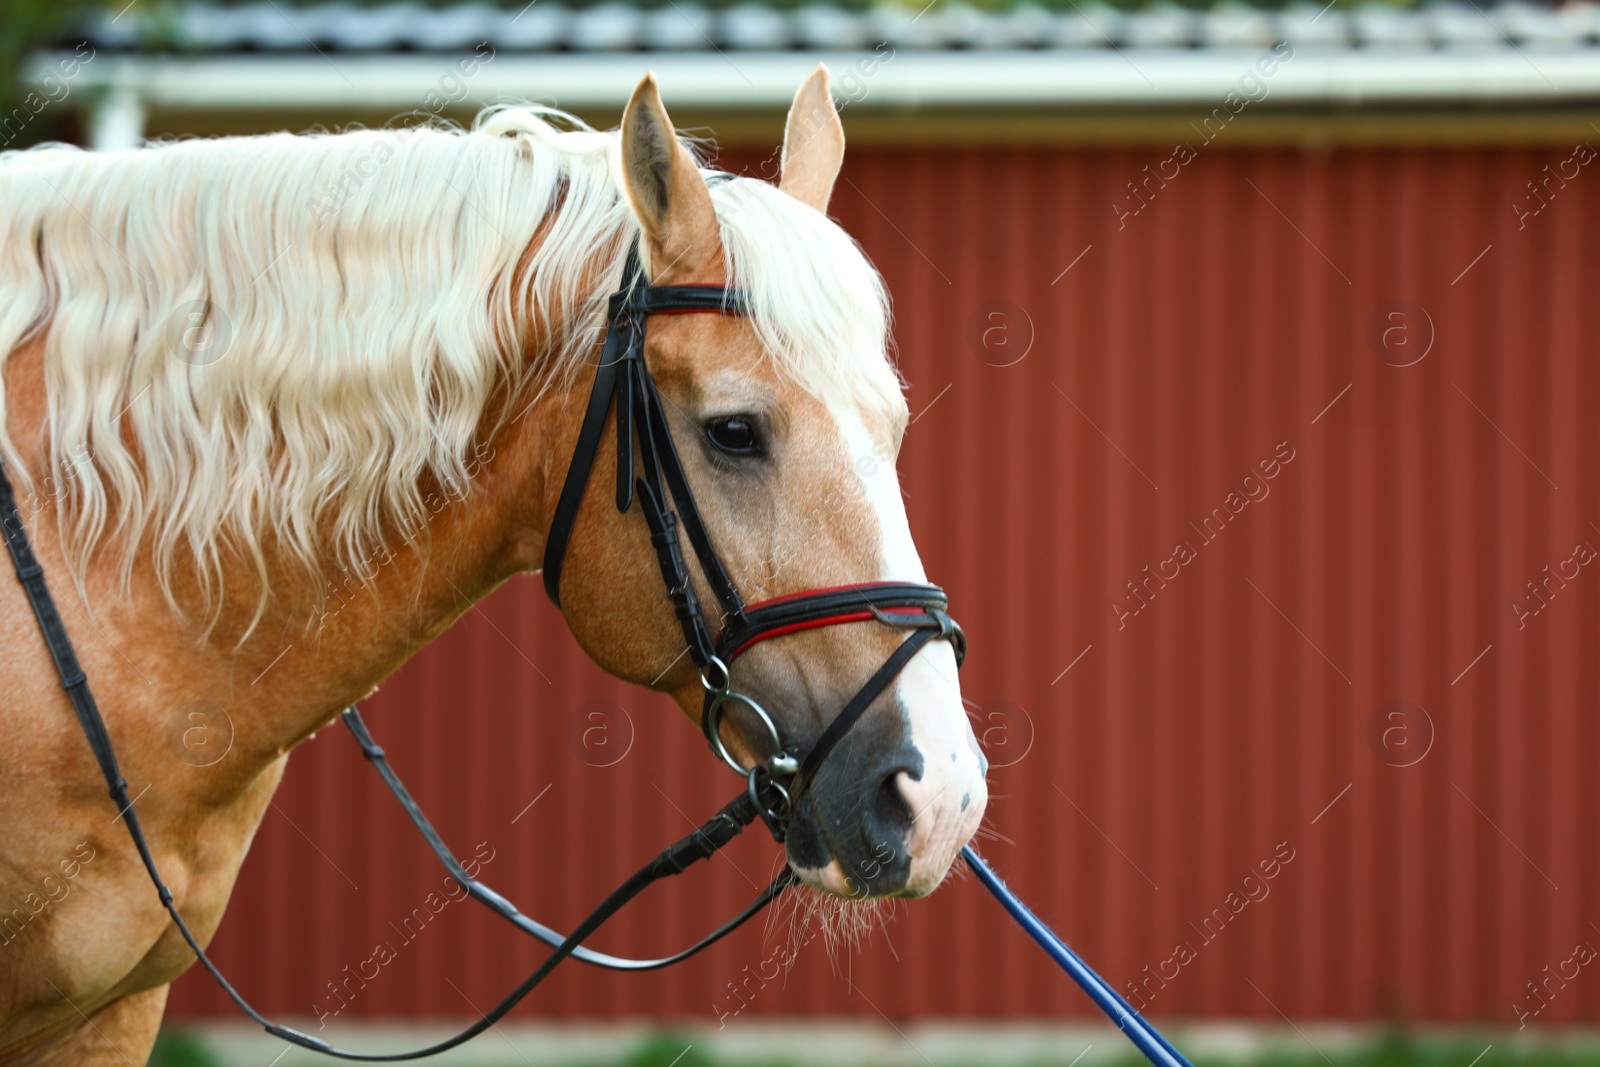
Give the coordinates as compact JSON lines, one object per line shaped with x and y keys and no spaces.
{"x":241,"y":371}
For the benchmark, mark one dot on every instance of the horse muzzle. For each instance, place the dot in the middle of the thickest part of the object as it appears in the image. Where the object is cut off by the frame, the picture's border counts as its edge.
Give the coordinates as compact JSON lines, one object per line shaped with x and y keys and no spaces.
{"x":889,"y":811}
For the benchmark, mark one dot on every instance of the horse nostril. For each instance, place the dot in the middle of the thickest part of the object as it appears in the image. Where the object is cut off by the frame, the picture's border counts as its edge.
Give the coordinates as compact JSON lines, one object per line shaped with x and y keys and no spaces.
{"x":888,"y":819}
{"x":854,"y":826}
{"x":891,"y":801}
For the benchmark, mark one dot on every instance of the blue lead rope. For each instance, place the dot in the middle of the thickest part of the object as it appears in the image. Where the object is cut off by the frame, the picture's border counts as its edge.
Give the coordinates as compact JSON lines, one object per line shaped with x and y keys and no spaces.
{"x":1148,"y":1039}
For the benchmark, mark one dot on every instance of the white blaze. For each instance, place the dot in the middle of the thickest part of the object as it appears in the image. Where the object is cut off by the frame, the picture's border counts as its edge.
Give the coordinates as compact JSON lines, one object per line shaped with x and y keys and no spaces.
{"x":947,"y":802}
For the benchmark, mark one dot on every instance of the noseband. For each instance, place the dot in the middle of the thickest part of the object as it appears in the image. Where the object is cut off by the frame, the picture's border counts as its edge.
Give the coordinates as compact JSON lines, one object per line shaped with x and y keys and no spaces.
{"x":649,"y":469}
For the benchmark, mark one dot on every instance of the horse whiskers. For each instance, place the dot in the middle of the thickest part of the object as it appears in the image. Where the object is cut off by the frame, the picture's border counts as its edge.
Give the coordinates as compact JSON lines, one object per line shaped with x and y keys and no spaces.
{"x":782,"y":906}
{"x":842,"y":923}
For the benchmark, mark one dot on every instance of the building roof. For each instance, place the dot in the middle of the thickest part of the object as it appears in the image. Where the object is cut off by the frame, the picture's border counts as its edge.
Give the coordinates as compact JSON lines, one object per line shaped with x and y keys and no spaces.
{"x":683,"y":26}
{"x":1447,"y":72}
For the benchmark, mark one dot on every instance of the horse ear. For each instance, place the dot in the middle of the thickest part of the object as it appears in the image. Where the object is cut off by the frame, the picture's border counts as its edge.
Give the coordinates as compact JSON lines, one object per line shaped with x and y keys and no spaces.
{"x":813,"y":143}
{"x":665,"y":188}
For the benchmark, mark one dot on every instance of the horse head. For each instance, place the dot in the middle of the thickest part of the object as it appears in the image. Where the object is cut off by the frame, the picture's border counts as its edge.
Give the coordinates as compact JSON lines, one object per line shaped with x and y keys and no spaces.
{"x":788,"y":418}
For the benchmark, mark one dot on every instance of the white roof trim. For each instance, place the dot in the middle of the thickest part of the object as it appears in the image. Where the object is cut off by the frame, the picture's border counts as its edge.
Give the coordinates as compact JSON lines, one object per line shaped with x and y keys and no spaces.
{"x":910,"y":80}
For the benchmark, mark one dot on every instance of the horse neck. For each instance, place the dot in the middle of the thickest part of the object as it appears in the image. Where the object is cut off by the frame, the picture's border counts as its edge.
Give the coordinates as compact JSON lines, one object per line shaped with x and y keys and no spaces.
{"x":320,"y":649}
{"x":325,"y":639}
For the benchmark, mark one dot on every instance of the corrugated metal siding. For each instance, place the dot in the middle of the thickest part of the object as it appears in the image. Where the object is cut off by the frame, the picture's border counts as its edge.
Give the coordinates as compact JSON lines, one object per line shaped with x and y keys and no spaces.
{"x":1177,"y":752}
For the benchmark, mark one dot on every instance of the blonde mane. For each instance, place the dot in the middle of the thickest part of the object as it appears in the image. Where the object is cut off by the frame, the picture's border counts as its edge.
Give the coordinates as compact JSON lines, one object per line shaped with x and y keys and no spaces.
{"x":274,"y":343}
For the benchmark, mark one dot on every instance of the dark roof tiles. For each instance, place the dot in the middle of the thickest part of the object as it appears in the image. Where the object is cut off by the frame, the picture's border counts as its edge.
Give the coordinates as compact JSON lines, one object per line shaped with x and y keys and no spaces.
{"x":682,"y":25}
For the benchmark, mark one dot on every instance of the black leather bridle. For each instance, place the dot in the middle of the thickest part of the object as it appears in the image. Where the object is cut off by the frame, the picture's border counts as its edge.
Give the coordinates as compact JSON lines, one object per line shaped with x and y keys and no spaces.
{"x":648,"y":467}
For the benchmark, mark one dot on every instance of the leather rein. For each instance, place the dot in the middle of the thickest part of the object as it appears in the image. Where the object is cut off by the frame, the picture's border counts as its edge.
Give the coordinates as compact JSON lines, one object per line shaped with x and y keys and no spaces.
{"x":649,"y":470}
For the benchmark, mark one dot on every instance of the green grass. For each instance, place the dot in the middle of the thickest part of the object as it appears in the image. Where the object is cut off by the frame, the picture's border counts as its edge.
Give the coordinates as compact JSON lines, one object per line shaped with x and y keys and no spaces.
{"x":1398,"y":1049}
{"x":175,"y":1048}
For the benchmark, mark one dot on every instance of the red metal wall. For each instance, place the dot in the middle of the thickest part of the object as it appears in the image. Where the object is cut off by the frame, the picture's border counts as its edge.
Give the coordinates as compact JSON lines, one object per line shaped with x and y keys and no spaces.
{"x":1240,"y":314}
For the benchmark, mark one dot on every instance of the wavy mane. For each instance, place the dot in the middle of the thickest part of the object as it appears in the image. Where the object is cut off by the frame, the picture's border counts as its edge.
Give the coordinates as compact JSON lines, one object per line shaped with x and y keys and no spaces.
{"x":279,"y":340}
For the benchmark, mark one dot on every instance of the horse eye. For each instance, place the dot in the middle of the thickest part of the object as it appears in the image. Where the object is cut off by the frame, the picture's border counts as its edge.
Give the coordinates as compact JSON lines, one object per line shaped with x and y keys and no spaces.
{"x":735,"y":434}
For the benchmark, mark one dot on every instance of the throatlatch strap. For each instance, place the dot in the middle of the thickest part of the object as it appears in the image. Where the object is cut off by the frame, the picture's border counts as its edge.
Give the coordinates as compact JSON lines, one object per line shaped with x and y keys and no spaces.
{"x":622,"y":380}
{"x":594,"y":423}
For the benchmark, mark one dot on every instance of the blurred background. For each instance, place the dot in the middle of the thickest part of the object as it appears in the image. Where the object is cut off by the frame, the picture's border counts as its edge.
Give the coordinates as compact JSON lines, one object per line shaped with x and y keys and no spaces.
{"x":1252,"y":358}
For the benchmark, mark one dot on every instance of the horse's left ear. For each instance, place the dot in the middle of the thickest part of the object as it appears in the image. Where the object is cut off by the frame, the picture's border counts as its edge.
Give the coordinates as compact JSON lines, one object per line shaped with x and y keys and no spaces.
{"x":813,"y":143}
{"x":666,"y":190}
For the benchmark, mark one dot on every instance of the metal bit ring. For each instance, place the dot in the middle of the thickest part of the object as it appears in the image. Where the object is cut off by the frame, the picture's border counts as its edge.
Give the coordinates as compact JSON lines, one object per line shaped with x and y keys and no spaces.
{"x":780,"y":763}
